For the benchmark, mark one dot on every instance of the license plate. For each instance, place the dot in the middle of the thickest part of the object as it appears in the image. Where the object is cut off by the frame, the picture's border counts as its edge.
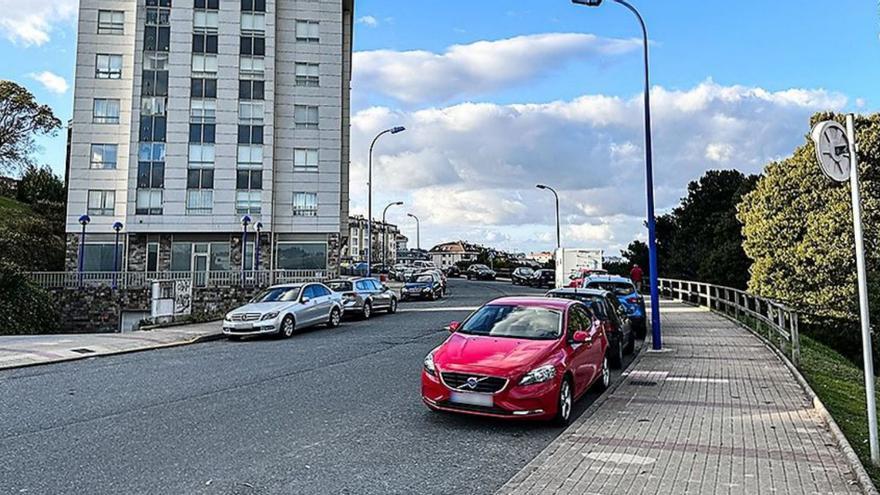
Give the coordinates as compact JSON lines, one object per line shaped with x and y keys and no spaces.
{"x":472,"y":399}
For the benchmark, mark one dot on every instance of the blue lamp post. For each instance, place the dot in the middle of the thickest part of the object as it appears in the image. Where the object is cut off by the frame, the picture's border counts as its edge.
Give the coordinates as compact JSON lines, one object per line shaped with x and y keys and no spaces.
{"x":84,"y":221}
{"x":245,"y":221}
{"x":259,"y":228}
{"x":649,"y":176}
{"x":117,"y":227}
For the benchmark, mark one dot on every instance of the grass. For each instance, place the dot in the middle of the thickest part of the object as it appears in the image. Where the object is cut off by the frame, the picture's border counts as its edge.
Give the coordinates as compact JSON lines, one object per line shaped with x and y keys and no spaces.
{"x":9,"y":206}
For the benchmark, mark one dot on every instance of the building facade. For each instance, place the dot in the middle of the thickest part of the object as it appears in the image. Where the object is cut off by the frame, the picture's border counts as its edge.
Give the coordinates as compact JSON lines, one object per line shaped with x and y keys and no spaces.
{"x":451,"y":253}
{"x":198,"y":120}
{"x":383,"y":234}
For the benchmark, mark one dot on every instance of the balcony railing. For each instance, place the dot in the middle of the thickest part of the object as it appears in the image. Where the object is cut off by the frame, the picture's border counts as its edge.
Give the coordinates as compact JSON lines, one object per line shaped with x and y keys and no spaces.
{"x":143,"y":280}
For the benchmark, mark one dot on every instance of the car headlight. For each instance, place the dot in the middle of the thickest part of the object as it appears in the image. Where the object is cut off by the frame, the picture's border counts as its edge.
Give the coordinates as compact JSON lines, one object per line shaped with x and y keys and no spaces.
{"x":429,"y":363}
{"x":270,"y":316}
{"x":539,"y":375}
{"x":426,"y":289}
{"x":228,"y":317}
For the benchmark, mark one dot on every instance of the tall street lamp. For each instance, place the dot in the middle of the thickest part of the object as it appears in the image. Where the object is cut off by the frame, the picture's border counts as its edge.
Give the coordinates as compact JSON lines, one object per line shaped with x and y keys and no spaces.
{"x":393,"y":130}
{"x":649,"y":175}
{"x":558,"y":228}
{"x":117,"y":227}
{"x":245,"y":221}
{"x":259,"y":228}
{"x":418,"y":231}
{"x":84,"y":221}
{"x":385,"y":233}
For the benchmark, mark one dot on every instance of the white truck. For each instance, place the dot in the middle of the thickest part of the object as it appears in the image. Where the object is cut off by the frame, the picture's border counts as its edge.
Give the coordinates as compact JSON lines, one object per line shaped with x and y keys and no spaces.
{"x":570,"y":261}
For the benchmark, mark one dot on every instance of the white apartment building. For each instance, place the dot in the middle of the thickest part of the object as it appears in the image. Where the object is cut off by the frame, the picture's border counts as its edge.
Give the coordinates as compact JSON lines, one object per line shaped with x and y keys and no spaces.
{"x":190,"y":115}
{"x":384,"y":234}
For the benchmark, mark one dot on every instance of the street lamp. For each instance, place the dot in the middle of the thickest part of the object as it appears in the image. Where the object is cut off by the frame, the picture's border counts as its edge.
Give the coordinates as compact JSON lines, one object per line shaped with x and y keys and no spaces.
{"x":245,"y":221}
{"x":649,"y":176}
{"x":117,"y":227}
{"x":418,"y":231}
{"x":259,"y":228}
{"x":385,"y":233}
{"x":393,"y":130}
{"x":558,"y":228}
{"x":84,"y":221}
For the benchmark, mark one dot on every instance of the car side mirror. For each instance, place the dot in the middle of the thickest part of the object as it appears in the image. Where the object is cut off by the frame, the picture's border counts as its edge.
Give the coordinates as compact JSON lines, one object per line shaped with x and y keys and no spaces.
{"x":581,"y":337}
{"x":454,"y":326}
{"x":305,"y":299}
{"x":385,"y":287}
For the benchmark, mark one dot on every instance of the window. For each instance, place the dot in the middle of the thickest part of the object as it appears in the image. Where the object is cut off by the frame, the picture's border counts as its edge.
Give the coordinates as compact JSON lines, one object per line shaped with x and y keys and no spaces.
{"x":307,"y":75}
{"x":108,"y":66}
{"x":205,"y":21}
{"x":250,"y":112}
{"x":111,"y":22}
{"x":308,"y":31}
{"x":149,"y":202}
{"x":151,"y":175}
{"x":252,"y":67}
{"x":156,"y":61}
{"x":203,"y":88}
{"x":253,"y":45}
{"x":152,"y":128}
{"x":204,"y":43}
{"x":152,"y":256}
{"x":251,"y":155}
{"x":253,"y":5}
{"x":305,"y":204}
{"x":251,"y":90}
{"x":105,"y":111}
{"x":201,"y":155}
{"x":248,"y":202}
{"x":155,"y":83}
{"x":203,"y":111}
{"x":199,"y":201}
{"x":153,"y":105}
{"x":204,"y":64}
{"x":253,"y":23}
{"x":157,"y":38}
{"x":306,"y":117}
{"x":157,"y":15}
{"x":250,"y":134}
{"x":301,"y":256}
{"x":207,"y":4}
{"x":202,"y":133}
{"x":104,"y":156}
{"x":102,"y":203}
{"x":305,"y":160}
{"x":220,"y":257}
{"x":249,"y":179}
{"x":151,"y":152}
{"x":200,"y":178}
{"x":101,"y":257}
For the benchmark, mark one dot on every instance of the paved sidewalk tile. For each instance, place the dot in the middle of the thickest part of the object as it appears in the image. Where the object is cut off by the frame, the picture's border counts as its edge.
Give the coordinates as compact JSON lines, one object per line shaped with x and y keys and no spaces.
{"x":24,"y":350}
{"x":716,"y":413}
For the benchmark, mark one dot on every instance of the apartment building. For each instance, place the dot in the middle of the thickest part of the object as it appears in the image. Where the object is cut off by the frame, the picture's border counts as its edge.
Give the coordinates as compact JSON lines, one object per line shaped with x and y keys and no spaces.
{"x":384,"y":234}
{"x":197,"y":120}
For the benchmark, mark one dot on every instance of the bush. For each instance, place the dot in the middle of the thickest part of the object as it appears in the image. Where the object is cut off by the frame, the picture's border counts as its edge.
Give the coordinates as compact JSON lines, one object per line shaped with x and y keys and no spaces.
{"x":25,"y":309}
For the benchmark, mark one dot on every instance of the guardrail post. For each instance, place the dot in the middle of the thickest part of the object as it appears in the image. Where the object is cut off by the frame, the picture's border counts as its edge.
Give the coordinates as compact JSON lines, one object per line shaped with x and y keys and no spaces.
{"x":795,"y":339}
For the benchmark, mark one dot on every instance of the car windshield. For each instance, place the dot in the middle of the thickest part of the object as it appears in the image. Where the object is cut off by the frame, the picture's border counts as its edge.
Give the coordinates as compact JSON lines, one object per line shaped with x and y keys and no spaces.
{"x":421,"y":279}
{"x":584,"y":298}
{"x":480,"y":267}
{"x":617,"y":288}
{"x":339,"y":285}
{"x":518,"y":322}
{"x":277,"y":294}
{"x":525,"y":271}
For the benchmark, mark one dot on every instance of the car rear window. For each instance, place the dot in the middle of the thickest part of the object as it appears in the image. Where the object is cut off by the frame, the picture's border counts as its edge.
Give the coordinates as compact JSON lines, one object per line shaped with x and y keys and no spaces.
{"x":616,"y":288}
{"x":339,"y":286}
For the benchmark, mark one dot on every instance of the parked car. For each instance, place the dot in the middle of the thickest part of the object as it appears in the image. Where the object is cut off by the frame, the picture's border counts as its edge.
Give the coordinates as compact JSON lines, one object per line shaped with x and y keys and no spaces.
{"x":363,"y":296}
{"x":480,"y":272}
{"x":626,"y":293}
{"x":284,"y":309}
{"x":578,"y":276}
{"x":543,"y":278}
{"x":522,"y":275}
{"x":444,"y":282}
{"x":424,"y":265}
{"x":422,"y":286}
{"x":518,"y":358}
{"x":453,"y":271}
{"x":612,"y":317}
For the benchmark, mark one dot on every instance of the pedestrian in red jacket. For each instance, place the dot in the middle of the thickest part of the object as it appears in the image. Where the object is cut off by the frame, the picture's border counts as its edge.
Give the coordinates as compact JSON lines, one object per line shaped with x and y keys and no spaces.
{"x":636,"y":276}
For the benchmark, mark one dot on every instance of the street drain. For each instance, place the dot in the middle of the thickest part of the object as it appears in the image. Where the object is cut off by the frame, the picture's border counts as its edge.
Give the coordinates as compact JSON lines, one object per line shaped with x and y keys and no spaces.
{"x":642,"y":383}
{"x":82,"y":351}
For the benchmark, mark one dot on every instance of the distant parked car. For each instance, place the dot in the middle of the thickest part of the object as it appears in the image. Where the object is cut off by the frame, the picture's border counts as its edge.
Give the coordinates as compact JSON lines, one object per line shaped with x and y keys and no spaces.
{"x":543,"y":278}
{"x":443,"y":279}
{"x":612,"y":317}
{"x":578,"y":276}
{"x":284,"y":309}
{"x":518,"y":358}
{"x":453,"y":271}
{"x":522,"y":275}
{"x":626,"y":293}
{"x":363,"y":296}
{"x":422,"y":286}
{"x":480,"y":272}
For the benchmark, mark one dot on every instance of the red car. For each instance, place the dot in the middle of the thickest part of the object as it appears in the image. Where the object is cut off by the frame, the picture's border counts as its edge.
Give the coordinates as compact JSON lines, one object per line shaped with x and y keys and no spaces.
{"x":518,"y":357}
{"x":576,"y":279}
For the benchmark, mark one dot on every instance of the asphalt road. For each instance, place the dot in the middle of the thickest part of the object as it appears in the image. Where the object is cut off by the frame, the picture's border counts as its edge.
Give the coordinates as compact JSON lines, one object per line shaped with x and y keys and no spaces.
{"x":326,"y":412}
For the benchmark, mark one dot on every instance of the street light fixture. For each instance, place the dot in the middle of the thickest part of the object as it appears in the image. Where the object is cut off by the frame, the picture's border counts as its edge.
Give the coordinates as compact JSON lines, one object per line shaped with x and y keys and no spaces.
{"x":393,"y":130}
{"x":259,"y":228}
{"x":558,"y":227}
{"x":418,"y":231}
{"x":649,"y":176}
{"x":117,"y":227}
{"x":385,"y":233}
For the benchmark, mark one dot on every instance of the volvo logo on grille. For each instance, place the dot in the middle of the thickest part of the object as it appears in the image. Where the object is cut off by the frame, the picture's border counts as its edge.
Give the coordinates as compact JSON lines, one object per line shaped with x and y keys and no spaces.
{"x":472,"y":382}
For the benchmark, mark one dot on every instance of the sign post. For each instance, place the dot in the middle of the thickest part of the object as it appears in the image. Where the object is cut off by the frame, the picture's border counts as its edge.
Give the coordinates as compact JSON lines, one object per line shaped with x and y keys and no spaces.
{"x":836,"y":150}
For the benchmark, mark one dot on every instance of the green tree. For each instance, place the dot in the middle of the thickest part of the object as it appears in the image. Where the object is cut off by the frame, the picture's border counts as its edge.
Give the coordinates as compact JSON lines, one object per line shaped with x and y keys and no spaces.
{"x":24,"y":308}
{"x":21,"y":120}
{"x":39,"y":184}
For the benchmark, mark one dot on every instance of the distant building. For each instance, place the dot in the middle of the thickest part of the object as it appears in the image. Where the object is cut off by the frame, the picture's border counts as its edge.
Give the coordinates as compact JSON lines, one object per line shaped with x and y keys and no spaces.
{"x":451,"y":253}
{"x":402,"y":242}
{"x":541,"y":257}
{"x":407,"y":256}
{"x":383,"y":234}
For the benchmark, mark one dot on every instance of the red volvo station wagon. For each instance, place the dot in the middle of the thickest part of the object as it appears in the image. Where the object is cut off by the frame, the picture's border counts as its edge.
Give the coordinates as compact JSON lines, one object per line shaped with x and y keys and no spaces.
{"x":518,"y":357}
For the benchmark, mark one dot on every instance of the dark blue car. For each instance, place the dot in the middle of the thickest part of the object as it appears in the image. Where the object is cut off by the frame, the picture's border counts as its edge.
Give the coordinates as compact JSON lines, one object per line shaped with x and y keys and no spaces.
{"x":626,"y":293}
{"x":422,"y":286}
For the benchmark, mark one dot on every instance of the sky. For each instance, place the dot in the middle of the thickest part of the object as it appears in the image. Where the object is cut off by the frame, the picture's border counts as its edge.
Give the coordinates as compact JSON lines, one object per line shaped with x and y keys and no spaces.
{"x":499,"y":96}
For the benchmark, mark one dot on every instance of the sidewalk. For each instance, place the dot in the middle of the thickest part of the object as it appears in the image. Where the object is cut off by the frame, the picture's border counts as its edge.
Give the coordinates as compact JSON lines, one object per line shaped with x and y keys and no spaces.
{"x":25,"y":350}
{"x":716,"y":412}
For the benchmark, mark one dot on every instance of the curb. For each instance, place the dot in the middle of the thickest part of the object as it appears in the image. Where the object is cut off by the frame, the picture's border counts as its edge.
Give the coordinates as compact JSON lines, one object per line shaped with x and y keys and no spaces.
{"x":852,"y":459}
{"x":546,"y":453}
{"x":197,"y":340}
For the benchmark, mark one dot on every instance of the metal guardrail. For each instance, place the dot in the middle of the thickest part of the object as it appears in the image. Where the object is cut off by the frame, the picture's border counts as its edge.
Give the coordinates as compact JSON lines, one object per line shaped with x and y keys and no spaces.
{"x":772,"y":319}
{"x":142,"y":280}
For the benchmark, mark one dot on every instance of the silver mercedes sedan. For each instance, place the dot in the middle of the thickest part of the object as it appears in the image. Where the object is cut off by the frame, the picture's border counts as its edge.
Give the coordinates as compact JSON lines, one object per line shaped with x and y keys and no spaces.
{"x":284,"y":309}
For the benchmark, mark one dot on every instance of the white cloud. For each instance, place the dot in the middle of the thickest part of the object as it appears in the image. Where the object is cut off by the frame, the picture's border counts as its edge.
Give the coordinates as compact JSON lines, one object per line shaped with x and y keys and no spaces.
{"x":31,"y":22}
{"x":472,"y":168}
{"x":368,"y":20}
{"x":52,"y":82}
{"x":418,"y":76}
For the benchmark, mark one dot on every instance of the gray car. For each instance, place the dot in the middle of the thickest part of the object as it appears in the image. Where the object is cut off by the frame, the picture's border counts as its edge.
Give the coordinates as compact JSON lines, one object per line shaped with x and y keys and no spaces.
{"x":283,"y":309}
{"x":363,"y":296}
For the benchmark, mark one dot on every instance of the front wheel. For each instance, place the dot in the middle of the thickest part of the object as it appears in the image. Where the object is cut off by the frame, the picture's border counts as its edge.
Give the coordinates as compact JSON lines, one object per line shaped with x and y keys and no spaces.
{"x":617,"y":355}
{"x":335,"y":318}
{"x":604,"y":380}
{"x":564,"y":403}
{"x":288,"y":325}
{"x":392,"y":307}
{"x":367,"y":312}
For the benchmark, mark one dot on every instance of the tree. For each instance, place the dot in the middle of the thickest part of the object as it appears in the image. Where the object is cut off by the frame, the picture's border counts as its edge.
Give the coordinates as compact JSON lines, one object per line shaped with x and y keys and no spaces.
{"x":39,"y":184}
{"x":21,"y":120}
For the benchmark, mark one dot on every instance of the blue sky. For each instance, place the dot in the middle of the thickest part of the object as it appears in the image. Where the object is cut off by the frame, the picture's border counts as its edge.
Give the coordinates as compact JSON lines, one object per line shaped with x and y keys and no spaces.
{"x":753,"y":67}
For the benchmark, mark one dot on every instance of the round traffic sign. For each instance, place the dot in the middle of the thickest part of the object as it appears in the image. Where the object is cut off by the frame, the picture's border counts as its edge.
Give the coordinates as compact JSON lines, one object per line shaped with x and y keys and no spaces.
{"x":832,"y":150}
